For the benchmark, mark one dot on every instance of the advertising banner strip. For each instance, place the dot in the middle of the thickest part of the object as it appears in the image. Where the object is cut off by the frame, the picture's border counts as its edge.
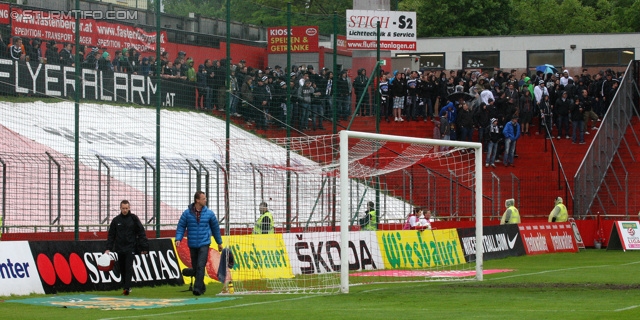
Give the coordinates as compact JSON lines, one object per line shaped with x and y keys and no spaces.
{"x":18,"y":272}
{"x":420,"y":249}
{"x":397,"y":29}
{"x":625,"y":236}
{"x":498,"y":242}
{"x":70,"y":266}
{"x":57,"y":81}
{"x":303,"y":39}
{"x":256,"y":257}
{"x":5,"y":10}
{"x":61,"y":28}
{"x":548,"y":237}
{"x":317,"y":253}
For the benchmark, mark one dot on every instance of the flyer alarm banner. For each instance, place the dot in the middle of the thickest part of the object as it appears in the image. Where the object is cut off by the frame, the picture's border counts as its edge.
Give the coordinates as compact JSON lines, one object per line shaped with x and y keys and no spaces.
{"x":397,"y":30}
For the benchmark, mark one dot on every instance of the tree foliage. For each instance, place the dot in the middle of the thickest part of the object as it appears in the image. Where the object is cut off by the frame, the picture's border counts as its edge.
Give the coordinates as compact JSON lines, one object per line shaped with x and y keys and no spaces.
{"x":437,"y":18}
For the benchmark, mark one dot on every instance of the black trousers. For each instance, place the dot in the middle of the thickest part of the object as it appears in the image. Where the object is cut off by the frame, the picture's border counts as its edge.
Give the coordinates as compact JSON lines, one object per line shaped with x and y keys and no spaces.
{"x":125,"y":266}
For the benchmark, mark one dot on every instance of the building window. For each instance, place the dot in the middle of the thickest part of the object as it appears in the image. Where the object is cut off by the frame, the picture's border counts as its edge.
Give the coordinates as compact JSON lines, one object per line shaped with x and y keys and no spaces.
{"x":539,"y":57}
{"x":481,"y":60}
{"x":607,"y":57}
{"x":432,"y":61}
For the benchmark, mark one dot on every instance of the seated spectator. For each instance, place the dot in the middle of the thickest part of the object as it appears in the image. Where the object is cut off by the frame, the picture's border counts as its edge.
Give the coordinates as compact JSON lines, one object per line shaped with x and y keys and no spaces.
{"x":413,"y":219}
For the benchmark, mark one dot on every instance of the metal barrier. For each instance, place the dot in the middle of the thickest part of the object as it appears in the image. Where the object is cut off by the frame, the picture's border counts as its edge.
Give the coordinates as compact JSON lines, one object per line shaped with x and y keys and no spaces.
{"x":604,"y":149}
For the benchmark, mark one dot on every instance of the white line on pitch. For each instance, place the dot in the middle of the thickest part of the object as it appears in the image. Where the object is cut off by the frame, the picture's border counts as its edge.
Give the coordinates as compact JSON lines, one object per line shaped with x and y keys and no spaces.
{"x":625,"y":309}
{"x":209,"y":309}
{"x":557,"y":270}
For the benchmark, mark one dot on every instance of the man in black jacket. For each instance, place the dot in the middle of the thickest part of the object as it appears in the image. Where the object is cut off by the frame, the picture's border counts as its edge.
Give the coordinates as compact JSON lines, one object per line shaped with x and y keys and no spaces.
{"x":126,"y":235}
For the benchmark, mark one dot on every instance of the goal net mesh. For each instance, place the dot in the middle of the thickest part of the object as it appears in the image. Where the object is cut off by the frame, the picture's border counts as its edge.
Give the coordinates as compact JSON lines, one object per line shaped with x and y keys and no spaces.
{"x":297,"y":181}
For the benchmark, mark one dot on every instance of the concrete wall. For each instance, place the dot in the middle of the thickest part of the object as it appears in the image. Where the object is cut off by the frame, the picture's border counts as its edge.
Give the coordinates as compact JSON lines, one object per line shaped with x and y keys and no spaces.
{"x":513,"y":49}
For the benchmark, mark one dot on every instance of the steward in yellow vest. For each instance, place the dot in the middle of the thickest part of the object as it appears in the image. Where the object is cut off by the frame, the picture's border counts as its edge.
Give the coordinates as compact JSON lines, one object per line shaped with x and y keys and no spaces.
{"x":264,"y":225}
{"x":511,"y":215}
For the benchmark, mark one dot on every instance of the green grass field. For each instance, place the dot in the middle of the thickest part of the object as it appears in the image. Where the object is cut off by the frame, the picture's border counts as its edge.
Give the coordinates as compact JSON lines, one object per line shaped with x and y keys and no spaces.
{"x":592,"y":284}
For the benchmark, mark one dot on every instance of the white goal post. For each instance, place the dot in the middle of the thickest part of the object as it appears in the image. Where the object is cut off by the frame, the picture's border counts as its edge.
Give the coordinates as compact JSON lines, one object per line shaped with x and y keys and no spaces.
{"x":344,"y":191}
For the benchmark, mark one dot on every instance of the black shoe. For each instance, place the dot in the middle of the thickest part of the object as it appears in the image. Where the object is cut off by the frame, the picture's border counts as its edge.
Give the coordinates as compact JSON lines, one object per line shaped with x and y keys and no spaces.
{"x":126,"y":292}
{"x":196,"y":293}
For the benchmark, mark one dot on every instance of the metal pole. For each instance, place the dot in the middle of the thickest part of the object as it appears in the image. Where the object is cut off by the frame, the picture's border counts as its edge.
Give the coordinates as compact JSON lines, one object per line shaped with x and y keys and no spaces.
{"x":375,"y":84}
{"x":76,"y":138}
{"x":228,"y":122}
{"x":288,"y":77}
{"x":335,"y":73}
{"x":156,"y":199}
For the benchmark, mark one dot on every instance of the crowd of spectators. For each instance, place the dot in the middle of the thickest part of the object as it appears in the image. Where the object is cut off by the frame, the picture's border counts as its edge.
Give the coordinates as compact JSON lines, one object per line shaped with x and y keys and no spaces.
{"x":259,"y":95}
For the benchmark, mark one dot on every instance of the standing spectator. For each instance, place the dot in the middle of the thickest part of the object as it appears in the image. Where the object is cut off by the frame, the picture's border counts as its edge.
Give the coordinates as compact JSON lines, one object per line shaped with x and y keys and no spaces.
{"x":246,"y":94}
{"x":4,"y":50}
{"x":481,"y":120}
{"x":360,"y":87}
{"x":104,"y":64}
{"x":564,"y":80}
{"x":145,"y":67}
{"x":126,"y":235}
{"x":445,"y":129}
{"x":545,"y":117}
{"x":35,"y":54}
{"x":203,"y":100}
{"x":344,"y":98}
{"x":397,"y":92}
{"x":66,"y":57}
{"x":305,"y":95}
{"x":383,"y":88}
{"x":465,"y":123}
{"x":201,"y":223}
{"x":525,"y":112}
{"x":577,"y":120}
{"x":561,"y":109}
{"x":235,"y":91}
{"x":588,"y":102}
{"x":511,"y":134}
{"x":116,"y":61}
{"x":51,"y":55}
{"x":429,"y":95}
{"x":493,"y":132}
{"x":15,"y":51}
{"x":412,"y":95}
{"x":262,"y":98}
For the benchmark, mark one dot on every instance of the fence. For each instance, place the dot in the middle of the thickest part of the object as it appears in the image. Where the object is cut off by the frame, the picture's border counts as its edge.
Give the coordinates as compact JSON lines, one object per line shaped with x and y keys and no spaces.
{"x":605,"y":149}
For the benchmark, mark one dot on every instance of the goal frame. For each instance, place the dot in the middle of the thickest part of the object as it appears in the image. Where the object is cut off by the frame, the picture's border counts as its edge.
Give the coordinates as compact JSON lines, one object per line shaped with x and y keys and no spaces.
{"x":344,"y":191}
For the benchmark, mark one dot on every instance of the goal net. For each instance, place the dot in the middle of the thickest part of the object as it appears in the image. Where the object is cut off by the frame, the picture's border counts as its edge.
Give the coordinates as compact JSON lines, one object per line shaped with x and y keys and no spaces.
{"x":340,"y":206}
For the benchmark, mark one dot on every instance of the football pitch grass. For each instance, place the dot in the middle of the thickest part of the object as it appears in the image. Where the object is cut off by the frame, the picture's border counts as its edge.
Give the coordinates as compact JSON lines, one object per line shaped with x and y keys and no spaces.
{"x":592,"y":284}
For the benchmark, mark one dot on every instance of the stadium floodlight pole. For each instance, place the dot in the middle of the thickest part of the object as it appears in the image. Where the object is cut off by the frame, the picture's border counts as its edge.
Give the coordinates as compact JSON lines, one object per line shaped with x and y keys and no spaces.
{"x":227,"y":223}
{"x":156,"y":199}
{"x":76,"y":139}
{"x":288,"y":146}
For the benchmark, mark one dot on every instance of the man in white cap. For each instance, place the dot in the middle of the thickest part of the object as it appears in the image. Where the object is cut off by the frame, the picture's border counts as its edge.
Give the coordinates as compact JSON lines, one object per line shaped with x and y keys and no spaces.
{"x":564,"y":80}
{"x":559,"y":212}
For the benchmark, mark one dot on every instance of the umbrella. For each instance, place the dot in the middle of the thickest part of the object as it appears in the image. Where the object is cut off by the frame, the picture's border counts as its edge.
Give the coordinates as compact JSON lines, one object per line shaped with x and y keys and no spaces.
{"x":460,"y":95}
{"x":547,"y":68}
